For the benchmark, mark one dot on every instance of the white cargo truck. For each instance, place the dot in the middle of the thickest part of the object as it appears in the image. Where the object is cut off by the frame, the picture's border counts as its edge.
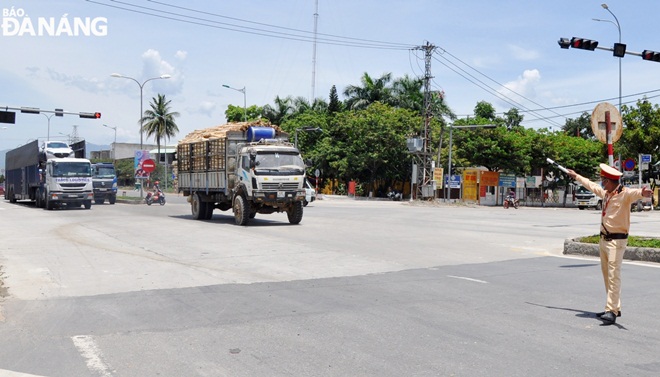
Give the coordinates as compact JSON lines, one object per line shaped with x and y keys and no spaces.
{"x":248,"y":168}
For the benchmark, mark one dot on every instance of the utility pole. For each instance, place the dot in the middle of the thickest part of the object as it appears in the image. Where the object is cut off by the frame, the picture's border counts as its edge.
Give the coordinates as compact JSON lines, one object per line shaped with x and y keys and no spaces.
{"x":425,"y":187}
{"x":316,"y":20}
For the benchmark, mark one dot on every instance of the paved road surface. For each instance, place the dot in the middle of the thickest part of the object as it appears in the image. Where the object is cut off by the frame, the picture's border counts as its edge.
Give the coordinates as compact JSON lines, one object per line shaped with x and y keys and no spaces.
{"x":358,"y":289}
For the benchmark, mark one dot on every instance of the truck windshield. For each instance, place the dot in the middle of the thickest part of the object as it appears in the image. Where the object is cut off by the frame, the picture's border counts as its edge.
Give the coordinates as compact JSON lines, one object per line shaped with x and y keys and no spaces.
{"x":583,"y":190}
{"x":269,"y":162}
{"x":104,"y":172}
{"x":72,"y":169}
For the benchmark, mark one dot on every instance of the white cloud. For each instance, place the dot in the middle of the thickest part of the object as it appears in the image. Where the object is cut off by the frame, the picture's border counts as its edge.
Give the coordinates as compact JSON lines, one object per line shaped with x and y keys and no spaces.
{"x":205,"y":108}
{"x":520,"y":53}
{"x":523,"y":86}
{"x":181,"y":55}
{"x":153,"y":65}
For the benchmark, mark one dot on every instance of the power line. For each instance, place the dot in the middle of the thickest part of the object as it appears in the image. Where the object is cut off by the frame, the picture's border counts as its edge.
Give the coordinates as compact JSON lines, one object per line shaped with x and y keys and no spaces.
{"x":305,"y":37}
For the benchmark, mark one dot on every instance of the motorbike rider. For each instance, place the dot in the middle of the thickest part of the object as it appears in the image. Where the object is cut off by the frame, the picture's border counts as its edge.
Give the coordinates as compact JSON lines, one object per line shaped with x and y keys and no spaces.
{"x":512,"y":195}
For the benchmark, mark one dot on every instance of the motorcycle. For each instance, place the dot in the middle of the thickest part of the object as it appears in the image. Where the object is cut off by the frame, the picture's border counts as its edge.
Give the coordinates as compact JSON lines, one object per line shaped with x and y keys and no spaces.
{"x":394,"y":195}
{"x":155,"y":197}
{"x":510,"y":201}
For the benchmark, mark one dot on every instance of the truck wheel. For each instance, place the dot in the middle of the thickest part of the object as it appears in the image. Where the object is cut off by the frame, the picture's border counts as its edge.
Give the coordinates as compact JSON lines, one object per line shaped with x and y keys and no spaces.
{"x":305,"y":203}
{"x":241,"y":210}
{"x":87,"y":204}
{"x":112,"y":199}
{"x":12,"y":197}
{"x":295,"y":213}
{"x":599,"y":206}
{"x":38,"y":201}
{"x":198,"y":207}
{"x":49,"y":203}
{"x":209,"y":210}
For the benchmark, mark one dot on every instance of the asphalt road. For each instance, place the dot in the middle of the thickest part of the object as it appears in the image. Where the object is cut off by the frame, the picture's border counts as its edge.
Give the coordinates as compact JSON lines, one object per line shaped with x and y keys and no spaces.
{"x":359,"y":288}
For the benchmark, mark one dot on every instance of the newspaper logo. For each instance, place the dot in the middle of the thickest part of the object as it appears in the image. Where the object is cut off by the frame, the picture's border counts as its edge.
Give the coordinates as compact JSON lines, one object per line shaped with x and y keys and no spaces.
{"x":16,"y":23}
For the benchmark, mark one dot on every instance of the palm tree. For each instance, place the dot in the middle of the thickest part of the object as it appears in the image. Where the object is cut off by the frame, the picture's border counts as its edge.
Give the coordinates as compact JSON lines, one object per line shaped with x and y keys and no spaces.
{"x":302,"y":105}
{"x":408,"y":93}
{"x":159,"y":120}
{"x":360,"y":97}
{"x":282,"y":110}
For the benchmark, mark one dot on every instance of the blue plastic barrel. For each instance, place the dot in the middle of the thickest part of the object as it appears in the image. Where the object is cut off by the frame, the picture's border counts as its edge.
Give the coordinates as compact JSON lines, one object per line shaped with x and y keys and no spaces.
{"x":258,"y":133}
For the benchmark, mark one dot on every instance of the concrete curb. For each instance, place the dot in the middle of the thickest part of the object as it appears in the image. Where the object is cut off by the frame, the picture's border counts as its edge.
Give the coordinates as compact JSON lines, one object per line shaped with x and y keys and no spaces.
{"x":644,"y":254}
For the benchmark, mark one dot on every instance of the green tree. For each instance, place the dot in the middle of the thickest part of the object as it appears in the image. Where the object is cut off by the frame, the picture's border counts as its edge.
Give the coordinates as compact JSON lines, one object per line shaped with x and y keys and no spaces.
{"x":580,"y":126}
{"x":369,"y":144}
{"x":159,"y":120}
{"x":335,"y":104}
{"x":641,"y":134}
{"x":280,"y":112}
{"x":301,"y":105}
{"x":408,"y":93}
{"x":513,"y":119}
{"x":484,"y":110}
{"x":372,"y":90}
{"x":236,"y":113}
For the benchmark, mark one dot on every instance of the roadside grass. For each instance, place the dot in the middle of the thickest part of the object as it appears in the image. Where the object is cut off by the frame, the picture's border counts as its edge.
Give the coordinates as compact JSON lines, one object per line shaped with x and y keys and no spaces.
{"x":633,"y":241}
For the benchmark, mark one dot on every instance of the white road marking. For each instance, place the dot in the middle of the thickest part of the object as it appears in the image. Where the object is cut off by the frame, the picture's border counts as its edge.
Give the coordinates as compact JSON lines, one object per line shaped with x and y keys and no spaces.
{"x":11,"y":373}
{"x":468,"y":279}
{"x":92,"y":354}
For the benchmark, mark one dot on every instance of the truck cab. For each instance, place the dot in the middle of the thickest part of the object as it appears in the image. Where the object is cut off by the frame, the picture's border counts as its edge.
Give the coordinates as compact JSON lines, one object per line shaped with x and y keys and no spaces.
{"x":104,"y":180}
{"x":66,"y":181}
{"x":587,"y":199}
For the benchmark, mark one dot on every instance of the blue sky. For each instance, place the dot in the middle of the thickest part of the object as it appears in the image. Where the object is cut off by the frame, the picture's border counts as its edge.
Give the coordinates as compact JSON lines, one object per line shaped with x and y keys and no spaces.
{"x":499,"y":45}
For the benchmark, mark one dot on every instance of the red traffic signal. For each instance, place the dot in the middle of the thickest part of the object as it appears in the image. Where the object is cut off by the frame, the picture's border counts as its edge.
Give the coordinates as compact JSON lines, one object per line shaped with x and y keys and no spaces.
{"x":584,"y":44}
{"x":651,"y":55}
{"x":90,"y":115}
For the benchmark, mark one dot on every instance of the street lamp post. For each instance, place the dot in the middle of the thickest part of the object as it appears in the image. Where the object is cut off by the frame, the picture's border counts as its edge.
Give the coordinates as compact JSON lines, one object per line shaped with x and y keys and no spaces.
{"x":141,"y":85}
{"x":306,"y":129}
{"x":114,"y":157}
{"x":451,"y":129}
{"x":48,"y":116}
{"x":244,"y":100}
{"x":618,"y":27}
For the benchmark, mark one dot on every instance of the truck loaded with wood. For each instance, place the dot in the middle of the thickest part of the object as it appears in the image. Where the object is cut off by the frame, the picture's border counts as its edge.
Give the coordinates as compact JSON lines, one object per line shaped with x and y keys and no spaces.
{"x":248,"y":167}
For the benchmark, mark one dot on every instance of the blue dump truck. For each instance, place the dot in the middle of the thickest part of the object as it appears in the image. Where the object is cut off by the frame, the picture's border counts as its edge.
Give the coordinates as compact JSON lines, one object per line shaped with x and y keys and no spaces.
{"x":50,"y":182}
{"x":104,"y":179}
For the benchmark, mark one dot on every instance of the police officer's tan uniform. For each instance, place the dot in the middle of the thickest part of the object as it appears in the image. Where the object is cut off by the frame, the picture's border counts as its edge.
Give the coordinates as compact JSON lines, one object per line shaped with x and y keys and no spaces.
{"x":615,"y":223}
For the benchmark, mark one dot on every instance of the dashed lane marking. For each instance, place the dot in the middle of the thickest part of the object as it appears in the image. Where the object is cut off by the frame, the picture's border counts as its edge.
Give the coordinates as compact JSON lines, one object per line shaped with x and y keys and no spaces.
{"x":93,"y":357}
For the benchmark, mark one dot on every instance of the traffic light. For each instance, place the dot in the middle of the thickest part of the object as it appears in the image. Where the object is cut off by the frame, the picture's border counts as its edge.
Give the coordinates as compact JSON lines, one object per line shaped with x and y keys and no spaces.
{"x":59,"y":112}
{"x":564,"y":43}
{"x":619,"y":50}
{"x":91,"y":115}
{"x":8,"y":117}
{"x":651,"y":55}
{"x":584,"y":44}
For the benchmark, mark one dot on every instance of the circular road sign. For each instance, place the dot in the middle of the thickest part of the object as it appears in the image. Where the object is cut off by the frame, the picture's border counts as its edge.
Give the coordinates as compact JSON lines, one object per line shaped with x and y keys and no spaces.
{"x":149,"y":165}
{"x":629,"y":164}
{"x":598,"y":124}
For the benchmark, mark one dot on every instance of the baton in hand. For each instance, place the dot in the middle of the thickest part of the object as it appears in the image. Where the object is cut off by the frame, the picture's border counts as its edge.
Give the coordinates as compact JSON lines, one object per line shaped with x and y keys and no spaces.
{"x":557,"y":165}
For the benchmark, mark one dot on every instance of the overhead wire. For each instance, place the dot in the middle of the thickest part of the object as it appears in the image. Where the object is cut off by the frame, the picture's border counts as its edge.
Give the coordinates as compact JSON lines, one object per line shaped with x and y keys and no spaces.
{"x":490,"y":89}
{"x":328,"y":39}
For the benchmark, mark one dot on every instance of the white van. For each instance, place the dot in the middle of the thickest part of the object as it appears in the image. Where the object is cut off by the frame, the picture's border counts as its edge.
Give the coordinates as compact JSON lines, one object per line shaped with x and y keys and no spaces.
{"x":587,"y":199}
{"x":310,"y":193}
